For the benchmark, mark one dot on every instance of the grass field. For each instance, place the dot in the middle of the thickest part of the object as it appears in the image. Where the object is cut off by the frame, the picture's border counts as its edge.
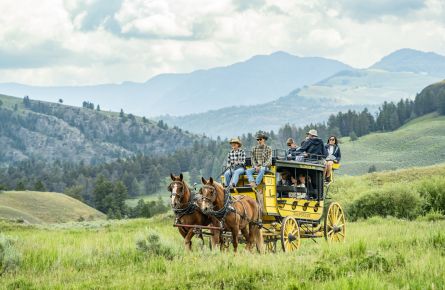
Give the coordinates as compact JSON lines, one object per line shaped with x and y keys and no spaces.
{"x":378,"y":254}
{"x":44,"y":207}
{"x":420,"y":142}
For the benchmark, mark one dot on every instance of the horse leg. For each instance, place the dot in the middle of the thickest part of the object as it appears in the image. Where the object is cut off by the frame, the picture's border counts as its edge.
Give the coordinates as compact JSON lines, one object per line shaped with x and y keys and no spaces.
{"x":246,"y":235}
{"x":257,"y":237}
{"x":235,"y":231}
{"x":188,"y":240}
{"x":214,"y":238}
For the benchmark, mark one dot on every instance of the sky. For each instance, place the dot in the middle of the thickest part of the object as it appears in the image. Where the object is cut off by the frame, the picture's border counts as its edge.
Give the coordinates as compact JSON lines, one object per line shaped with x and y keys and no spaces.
{"x":79,"y":42}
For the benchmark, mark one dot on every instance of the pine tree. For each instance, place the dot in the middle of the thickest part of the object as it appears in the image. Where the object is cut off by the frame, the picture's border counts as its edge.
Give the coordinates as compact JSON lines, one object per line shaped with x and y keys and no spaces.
{"x":39,"y":186}
{"x":353,"y":136}
{"x":20,"y":186}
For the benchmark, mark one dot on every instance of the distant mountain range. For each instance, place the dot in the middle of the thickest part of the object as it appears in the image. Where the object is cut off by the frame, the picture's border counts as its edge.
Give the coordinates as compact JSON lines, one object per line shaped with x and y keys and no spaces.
{"x":352,"y":89}
{"x":254,"y":94}
{"x":257,"y":80}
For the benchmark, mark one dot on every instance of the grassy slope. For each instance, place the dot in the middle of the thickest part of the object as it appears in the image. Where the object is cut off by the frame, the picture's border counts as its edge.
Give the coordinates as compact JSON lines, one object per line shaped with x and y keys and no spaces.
{"x":49,"y":207}
{"x":347,"y":188}
{"x":421,"y":142}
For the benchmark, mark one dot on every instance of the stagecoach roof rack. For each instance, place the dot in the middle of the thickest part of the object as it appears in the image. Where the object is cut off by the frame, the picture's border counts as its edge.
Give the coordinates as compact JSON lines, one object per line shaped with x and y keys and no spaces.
{"x":279,"y":157}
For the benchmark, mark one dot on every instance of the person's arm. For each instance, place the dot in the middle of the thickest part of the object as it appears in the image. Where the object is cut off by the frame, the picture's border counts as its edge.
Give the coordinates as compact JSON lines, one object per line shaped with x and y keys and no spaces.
{"x":325,"y":152}
{"x":242,"y":158}
{"x":304,"y":147}
{"x":228,"y":164}
{"x":268,"y":159}
{"x":253,"y":158}
{"x":338,"y":157}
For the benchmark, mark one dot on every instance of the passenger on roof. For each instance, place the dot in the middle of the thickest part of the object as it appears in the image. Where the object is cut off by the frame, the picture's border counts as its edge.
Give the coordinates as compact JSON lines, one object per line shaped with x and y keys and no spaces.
{"x":334,"y":156}
{"x":236,"y":161}
{"x":313,"y":146}
{"x":261,"y":160}
{"x":292,"y":149}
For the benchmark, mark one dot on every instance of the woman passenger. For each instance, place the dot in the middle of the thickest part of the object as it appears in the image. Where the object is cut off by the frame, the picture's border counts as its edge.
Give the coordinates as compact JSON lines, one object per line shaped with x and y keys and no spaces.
{"x":334,"y":156}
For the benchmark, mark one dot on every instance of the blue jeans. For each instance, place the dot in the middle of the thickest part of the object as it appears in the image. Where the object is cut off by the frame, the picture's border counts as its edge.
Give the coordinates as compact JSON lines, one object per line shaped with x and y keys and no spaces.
{"x":232,"y":175}
{"x":259,"y":178}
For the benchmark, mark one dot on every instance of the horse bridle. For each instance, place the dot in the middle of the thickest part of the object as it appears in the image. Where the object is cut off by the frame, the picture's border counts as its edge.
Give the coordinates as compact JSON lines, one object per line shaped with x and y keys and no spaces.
{"x":178,"y":194}
{"x":212,"y":189}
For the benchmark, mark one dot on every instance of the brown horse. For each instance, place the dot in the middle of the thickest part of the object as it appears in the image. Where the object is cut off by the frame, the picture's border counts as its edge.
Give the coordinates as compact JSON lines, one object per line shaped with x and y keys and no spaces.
{"x":241,"y":213}
{"x":187,"y":213}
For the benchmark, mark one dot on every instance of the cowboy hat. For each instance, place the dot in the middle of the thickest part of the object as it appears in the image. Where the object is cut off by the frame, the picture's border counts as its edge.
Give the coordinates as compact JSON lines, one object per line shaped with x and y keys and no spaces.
{"x":236,"y":140}
{"x":313,"y":132}
{"x":261,"y":135}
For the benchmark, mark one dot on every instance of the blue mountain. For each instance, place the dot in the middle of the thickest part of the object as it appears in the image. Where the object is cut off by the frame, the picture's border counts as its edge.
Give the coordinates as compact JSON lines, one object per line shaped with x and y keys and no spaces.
{"x":259,"y":79}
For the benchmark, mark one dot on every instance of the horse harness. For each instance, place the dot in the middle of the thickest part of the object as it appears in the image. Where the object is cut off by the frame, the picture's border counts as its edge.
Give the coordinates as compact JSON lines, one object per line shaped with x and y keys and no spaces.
{"x":228,"y":207}
{"x":190,"y":207}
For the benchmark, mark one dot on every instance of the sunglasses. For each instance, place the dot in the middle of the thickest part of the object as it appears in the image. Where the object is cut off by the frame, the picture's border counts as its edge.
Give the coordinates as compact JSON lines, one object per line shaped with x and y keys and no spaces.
{"x":332,"y":139}
{"x":259,"y":139}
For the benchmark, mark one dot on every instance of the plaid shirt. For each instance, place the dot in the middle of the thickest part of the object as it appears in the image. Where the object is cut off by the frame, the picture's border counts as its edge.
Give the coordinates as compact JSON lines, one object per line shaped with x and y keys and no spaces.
{"x":236,"y":157}
{"x":261,"y":156}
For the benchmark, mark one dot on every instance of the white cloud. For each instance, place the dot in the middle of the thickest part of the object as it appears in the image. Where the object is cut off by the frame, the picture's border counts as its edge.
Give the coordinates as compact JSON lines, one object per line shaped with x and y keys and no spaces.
{"x":94,"y":41}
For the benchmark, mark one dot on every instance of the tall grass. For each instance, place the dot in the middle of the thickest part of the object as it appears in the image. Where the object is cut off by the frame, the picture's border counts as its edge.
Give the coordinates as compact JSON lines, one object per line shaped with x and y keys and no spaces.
{"x":148,"y":254}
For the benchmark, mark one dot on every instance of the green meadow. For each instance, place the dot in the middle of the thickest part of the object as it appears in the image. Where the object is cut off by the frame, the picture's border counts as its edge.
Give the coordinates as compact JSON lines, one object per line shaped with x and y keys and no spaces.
{"x":380,"y":252}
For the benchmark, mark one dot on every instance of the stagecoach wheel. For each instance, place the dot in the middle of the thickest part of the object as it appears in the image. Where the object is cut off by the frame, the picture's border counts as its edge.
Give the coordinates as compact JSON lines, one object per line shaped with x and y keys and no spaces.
{"x":290,"y":234}
{"x":271,"y":246}
{"x":334,"y":223}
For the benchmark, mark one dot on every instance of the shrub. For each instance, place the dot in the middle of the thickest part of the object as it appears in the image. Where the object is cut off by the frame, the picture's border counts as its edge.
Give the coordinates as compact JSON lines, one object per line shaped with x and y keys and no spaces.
{"x":433,"y":191}
{"x":374,"y":262}
{"x":322,"y":272}
{"x":397,"y":200}
{"x":151,"y":244}
{"x":9,"y":257}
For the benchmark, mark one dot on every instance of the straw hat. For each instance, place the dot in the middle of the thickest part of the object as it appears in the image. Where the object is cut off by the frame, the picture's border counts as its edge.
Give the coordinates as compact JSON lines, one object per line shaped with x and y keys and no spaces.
{"x":236,"y":140}
{"x":290,"y":141}
{"x":313,"y":132}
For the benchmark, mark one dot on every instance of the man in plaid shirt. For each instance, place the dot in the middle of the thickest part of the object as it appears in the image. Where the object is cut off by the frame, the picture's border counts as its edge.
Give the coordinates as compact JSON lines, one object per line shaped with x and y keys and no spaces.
{"x":236,"y":161}
{"x":261,"y":160}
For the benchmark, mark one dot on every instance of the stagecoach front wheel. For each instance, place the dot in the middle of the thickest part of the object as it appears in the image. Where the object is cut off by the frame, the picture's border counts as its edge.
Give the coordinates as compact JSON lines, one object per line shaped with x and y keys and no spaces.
{"x":290,"y":234}
{"x":334,"y":223}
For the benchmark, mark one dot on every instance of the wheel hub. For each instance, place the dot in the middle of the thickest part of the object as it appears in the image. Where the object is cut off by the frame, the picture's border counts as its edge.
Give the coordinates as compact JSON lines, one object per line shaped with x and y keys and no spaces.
{"x":291,"y":237}
{"x":336,"y":229}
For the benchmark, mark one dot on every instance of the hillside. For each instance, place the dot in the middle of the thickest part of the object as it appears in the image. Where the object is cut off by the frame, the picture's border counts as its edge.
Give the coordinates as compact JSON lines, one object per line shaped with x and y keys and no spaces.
{"x":235,"y":121}
{"x":420,"y":142}
{"x":44,"y":207}
{"x":53,"y":131}
{"x":254,"y":81}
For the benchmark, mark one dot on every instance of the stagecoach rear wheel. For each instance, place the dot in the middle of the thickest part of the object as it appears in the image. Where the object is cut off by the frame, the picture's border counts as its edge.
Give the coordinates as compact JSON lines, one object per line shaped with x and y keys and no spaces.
{"x":290,"y":234}
{"x":334,"y":223}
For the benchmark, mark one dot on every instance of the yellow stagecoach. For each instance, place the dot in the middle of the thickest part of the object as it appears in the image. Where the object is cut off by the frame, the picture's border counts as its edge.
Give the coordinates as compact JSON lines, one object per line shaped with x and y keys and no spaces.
{"x":292,"y":212}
